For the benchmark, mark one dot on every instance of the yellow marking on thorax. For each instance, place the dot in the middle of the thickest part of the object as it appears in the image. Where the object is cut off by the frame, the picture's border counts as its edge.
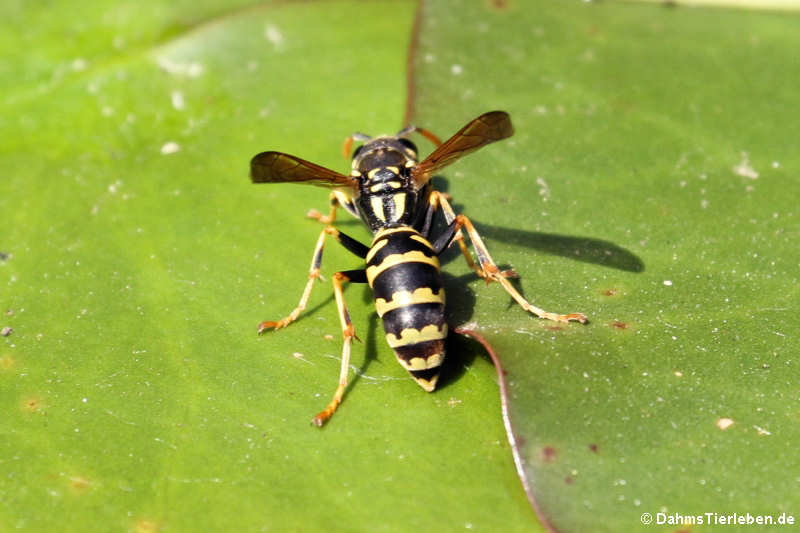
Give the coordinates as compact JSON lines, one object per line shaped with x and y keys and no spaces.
{"x":374,"y":250}
{"x":422,"y":295}
{"x":371,"y":173}
{"x":377,"y":207}
{"x":342,"y":197}
{"x":380,"y":186}
{"x":388,"y":231}
{"x":413,"y":256}
{"x":413,"y":336}
{"x":423,"y":240}
{"x":411,"y":163}
{"x":399,"y":200}
{"x":355,"y":173}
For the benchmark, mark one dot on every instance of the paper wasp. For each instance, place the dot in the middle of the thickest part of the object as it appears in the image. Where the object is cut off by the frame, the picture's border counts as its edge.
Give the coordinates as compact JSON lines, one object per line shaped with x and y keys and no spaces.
{"x":391,"y":192}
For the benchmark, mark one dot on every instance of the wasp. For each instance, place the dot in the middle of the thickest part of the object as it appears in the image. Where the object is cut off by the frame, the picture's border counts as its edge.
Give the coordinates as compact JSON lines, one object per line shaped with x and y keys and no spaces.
{"x":390,"y":190}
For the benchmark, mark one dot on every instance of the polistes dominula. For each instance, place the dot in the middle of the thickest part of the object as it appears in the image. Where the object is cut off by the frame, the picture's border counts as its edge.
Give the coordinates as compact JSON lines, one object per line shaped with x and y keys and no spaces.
{"x":391,"y":192}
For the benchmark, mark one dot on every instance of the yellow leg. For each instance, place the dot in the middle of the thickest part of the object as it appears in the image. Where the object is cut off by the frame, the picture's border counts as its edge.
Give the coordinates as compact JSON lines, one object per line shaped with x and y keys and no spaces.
{"x":440,"y":200}
{"x":326,"y":219}
{"x":488,"y":269}
{"x":348,"y":332}
{"x":313,"y":274}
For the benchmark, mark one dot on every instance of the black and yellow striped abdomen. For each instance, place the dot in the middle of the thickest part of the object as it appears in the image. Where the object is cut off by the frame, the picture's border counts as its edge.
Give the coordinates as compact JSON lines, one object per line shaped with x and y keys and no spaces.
{"x":403,"y":271}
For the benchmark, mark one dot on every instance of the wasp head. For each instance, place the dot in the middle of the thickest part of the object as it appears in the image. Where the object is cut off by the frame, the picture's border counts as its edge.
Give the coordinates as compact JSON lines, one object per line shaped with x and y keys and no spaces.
{"x":384,"y":164}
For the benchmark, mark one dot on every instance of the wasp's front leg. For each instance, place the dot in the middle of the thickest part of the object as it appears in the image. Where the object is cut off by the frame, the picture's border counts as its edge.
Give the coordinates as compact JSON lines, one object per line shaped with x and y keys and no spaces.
{"x":329,"y":218}
{"x":337,"y":199}
{"x":439,"y":200}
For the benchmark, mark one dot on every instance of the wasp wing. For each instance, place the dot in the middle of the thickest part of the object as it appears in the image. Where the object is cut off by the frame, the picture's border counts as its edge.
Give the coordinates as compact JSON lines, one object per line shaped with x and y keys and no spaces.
{"x":277,"y":167}
{"x":487,"y":128}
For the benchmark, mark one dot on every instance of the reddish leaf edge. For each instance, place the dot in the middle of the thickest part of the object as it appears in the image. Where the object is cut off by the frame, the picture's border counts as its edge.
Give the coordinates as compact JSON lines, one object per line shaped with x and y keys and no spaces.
{"x":512,"y":438}
{"x":413,"y":47}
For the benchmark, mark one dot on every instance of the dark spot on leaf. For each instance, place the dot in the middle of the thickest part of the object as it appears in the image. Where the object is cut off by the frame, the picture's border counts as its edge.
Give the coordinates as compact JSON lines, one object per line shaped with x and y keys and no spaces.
{"x":548,"y":454}
{"x":32,"y":404}
{"x":568,"y":480}
{"x":553,"y":328}
{"x":593,"y":447}
{"x":609,"y":292}
{"x":6,"y":331}
{"x":500,"y":5}
{"x":619,"y":325}
{"x":3,"y":256}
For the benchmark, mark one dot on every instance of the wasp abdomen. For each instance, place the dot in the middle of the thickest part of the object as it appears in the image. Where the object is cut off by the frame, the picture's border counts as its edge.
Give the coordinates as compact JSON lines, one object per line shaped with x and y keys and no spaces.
{"x":403,"y":271}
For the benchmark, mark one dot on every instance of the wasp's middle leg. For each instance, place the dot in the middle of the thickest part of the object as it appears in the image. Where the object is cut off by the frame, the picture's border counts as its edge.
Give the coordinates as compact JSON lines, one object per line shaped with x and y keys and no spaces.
{"x":348,"y":242}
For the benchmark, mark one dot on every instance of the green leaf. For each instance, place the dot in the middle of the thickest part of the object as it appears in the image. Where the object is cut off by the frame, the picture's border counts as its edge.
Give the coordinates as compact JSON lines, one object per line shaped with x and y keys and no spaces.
{"x":651,"y":184}
{"x":139,"y":259}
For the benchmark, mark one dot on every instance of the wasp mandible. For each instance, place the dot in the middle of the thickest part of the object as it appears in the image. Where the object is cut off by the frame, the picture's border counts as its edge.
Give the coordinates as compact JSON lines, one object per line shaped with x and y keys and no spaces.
{"x":391,"y":191}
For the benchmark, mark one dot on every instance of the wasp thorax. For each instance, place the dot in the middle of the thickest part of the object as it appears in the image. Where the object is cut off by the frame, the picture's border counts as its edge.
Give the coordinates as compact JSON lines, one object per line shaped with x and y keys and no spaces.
{"x":385,"y":179}
{"x":383,"y":170}
{"x":387,"y":196}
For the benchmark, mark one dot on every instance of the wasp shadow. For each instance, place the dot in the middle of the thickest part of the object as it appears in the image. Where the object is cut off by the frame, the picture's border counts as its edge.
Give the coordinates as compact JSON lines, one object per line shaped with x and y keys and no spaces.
{"x":583,"y":249}
{"x":460,"y":306}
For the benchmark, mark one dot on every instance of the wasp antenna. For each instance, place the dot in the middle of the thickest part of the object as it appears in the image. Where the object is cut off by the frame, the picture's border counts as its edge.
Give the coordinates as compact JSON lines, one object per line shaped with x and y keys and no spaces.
{"x":430,"y":136}
{"x":348,"y":143}
{"x":408,"y":130}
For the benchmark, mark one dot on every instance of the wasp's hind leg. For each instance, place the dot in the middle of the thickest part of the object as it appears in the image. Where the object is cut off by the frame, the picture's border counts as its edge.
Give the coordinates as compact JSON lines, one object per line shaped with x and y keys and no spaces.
{"x":348,"y":332}
{"x":486,"y":267}
{"x":314,"y":272}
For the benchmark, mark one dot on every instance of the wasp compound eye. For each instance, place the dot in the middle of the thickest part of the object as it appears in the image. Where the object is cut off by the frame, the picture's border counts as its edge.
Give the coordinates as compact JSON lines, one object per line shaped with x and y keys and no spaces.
{"x":408,"y":144}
